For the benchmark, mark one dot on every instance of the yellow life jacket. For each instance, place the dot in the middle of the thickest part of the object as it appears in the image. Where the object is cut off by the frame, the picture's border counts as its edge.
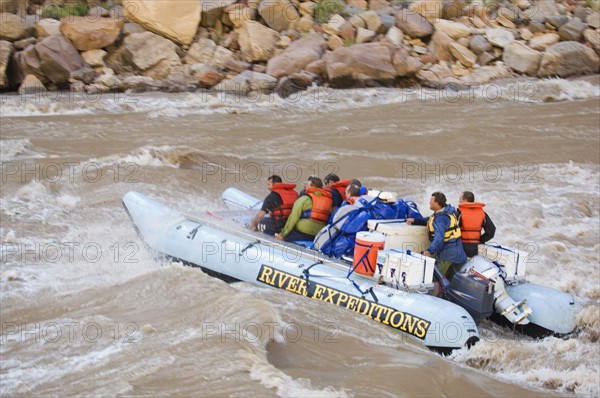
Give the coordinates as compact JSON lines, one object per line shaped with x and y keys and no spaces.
{"x":453,"y":231}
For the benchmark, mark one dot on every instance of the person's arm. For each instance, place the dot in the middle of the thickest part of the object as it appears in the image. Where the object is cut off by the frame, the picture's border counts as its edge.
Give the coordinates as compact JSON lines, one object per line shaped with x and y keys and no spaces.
{"x":440,"y":226}
{"x":259,"y":216}
{"x":489,"y":229}
{"x":294,"y":216}
{"x":417,"y":221}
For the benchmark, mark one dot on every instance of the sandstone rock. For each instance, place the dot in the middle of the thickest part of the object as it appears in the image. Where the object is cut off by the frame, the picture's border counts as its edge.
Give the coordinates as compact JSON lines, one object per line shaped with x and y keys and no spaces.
{"x":24,"y":43}
{"x":108,"y":80}
{"x":372,"y":21}
{"x":59,"y":61}
{"x":593,"y":37}
{"x":503,"y":21}
{"x":361,"y":64}
{"x":212,"y":11}
{"x":305,"y":25}
{"x":298,"y":55}
{"x":485,"y":58}
{"x":47,"y":27}
{"x":348,"y":32}
{"x":378,"y":4}
{"x":479,"y":45}
{"x":413,"y":24}
{"x":453,"y":29}
{"x":179,"y":23}
{"x":90,"y":35}
{"x":485,"y":74}
{"x":439,"y":46}
{"x":556,"y":21}
{"x":240,"y":13}
{"x":334,"y":42}
{"x":463,"y":54}
{"x":364,"y":35}
{"x":150,"y":54}
{"x":138,"y":84}
{"x":13,"y":27}
{"x":572,"y":30}
{"x":521,"y":58}
{"x":540,"y":43}
{"x":430,"y":9}
{"x":593,"y":20}
{"x":303,"y":80}
{"x":31,"y":85}
{"x":499,"y":37}
{"x":404,"y":64}
{"x":247,"y":82}
{"x":526,"y":34}
{"x":438,"y":76}
{"x":318,"y":67}
{"x":200,"y":52}
{"x":536,"y":27}
{"x":568,"y":58}
{"x":544,"y":9}
{"x":257,"y":42}
{"x":94,"y":58}
{"x":205,"y":75}
{"x":453,"y":9}
{"x":334,"y":24}
{"x":361,"y":4}
{"x":6,"y":50}
{"x":97,"y":13}
{"x":307,"y":9}
{"x":221,"y":57}
{"x":394,"y":36}
{"x":278,"y":14}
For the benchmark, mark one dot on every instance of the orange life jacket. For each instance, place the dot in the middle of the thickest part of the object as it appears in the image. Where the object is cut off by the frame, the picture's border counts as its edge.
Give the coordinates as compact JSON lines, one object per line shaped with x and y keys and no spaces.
{"x":321,"y":204}
{"x":471,"y":221}
{"x":288,"y":197}
{"x":341,"y":186}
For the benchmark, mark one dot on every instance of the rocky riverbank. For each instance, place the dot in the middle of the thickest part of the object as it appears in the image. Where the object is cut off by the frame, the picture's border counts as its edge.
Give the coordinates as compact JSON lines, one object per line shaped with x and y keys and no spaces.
{"x":288,"y":45}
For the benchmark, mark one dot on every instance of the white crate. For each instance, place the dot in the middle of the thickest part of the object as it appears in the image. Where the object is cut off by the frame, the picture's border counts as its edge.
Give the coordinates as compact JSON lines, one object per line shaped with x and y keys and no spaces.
{"x":512,"y":261}
{"x":400,"y":235}
{"x":404,"y":268}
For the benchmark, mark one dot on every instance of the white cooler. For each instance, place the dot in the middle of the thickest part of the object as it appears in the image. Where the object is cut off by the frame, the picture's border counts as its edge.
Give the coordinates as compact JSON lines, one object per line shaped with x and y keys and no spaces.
{"x":403,"y":268}
{"x":400,"y":235}
{"x":514,"y":262}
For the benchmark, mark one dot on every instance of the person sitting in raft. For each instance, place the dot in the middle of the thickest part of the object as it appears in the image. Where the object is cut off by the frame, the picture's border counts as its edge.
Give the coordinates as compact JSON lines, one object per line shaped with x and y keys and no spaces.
{"x":444,"y":234}
{"x":310,"y":213}
{"x":352,"y":193}
{"x":472,"y":219}
{"x":336,"y":187}
{"x":363,"y":190}
{"x":276,"y":207}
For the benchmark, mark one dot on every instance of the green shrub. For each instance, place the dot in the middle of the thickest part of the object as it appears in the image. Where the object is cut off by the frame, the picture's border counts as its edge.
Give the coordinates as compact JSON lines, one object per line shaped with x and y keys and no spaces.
{"x":324,"y":9}
{"x":71,"y":9}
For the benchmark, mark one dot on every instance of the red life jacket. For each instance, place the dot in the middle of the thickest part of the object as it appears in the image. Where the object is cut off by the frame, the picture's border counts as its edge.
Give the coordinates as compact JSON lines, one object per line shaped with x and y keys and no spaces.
{"x":471,"y":221}
{"x":341,"y":186}
{"x":288,"y":196}
{"x":321,"y":204}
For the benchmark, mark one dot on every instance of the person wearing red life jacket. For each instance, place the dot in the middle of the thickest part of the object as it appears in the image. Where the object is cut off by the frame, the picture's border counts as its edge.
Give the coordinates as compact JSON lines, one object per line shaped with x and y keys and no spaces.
{"x":352,"y":193}
{"x":336,"y":187}
{"x":276,"y":207}
{"x":472,"y":219}
{"x":309,"y":214}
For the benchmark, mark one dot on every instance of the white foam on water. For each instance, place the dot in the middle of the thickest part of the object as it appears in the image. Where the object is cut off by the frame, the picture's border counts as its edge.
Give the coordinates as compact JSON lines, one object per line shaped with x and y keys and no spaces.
{"x":17,"y":149}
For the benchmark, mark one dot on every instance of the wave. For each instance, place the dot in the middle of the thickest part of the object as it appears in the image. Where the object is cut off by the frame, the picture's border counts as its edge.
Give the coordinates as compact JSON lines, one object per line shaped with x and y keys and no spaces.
{"x":315,"y":99}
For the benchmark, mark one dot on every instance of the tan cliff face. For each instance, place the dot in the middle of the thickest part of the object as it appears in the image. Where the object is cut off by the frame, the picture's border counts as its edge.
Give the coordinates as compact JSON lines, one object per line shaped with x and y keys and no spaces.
{"x":190,"y":44}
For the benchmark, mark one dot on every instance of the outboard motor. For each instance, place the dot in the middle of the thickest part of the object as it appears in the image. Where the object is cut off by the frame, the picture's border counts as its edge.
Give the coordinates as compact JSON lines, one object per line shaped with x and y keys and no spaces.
{"x":473,"y":292}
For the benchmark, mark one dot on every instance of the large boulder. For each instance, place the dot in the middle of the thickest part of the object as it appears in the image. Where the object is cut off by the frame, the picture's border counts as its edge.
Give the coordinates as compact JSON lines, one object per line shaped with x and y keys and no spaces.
{"x":568,"y":58}
{"x":278,"y":14}
{"x":90,"y":34}
{"x":299,"y":54}
{"x":540,"y":42}
{"x":572,"y":30}
{"x":405,"y":64}
{"x":257,"y":42}
{"x":521,"y":58}
{"x":439,"y":46}
{"x":60,"y":61}
{"x":453,"y":29}
{"x":150,"y":54}
{"x":176,"y":21}
{"x":413,"y":24}
{"x":13,"y":27}
{"x":47,"y":27}
{"x":361,"y":64}
{"x":6,"y":50}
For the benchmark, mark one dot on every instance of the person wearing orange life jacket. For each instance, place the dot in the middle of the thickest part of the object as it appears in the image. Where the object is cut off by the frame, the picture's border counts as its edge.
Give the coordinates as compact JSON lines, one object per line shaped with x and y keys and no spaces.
{"x":472,"y":219}
{"x":276,"y":207}
{"x":309,"y":214}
